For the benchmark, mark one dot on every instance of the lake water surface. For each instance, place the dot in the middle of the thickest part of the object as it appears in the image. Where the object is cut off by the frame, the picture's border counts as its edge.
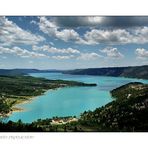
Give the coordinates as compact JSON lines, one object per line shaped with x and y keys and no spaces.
{"x":70,"y":101}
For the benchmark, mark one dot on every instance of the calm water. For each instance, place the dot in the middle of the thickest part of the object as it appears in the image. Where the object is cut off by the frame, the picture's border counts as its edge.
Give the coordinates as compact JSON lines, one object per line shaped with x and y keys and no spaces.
{"x":72,"y":100}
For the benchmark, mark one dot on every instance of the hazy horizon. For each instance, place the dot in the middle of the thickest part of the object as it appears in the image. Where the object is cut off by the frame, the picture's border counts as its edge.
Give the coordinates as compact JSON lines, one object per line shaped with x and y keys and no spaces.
{"x":73,"y":68}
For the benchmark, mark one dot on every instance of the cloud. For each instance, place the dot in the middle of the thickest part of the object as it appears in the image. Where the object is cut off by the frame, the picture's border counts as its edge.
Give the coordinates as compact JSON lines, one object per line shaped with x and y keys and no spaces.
{"x":100,"y":21}
{"x":67,"y":34}
{"x":89,"y":56}
{"x":59,"y":57}
{"x":125,"y":21}
{"x":55,"y":50}
{"x":11,"y":34}
{"x":107,"y":36}
{"x":21,"y":52}
{"x":137,"y":35}
{"x":70,"y":53}
{"x":112,"y":53}
{"x":77,"y":21}
{"x":33,"y":22}
{"x":51,"y":43}
{"x":141,"y":53}
{"x":112,"y":36}
{"x":49,"y":27}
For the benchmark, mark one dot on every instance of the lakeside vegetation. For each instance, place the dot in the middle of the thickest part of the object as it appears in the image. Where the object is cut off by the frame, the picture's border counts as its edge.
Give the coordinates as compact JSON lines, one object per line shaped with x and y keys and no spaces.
{"x":18,"y":89}
{"x":127,"y":113}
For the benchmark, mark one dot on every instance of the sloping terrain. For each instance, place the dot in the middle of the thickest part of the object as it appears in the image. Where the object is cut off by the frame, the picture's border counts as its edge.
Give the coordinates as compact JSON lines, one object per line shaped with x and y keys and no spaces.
{"x":140,"y":72}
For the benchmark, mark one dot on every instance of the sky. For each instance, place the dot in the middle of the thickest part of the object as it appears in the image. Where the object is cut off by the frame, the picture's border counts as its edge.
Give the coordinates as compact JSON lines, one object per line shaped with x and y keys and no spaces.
{"x":71,"y":42}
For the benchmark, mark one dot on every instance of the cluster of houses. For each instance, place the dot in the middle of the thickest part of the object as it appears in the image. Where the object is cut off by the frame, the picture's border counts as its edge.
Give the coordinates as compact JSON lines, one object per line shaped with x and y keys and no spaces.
{"x":63,"y":120}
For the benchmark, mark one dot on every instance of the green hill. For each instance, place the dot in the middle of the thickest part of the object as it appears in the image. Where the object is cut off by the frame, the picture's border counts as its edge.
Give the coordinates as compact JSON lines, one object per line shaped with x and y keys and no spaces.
{"x":128,"y":112}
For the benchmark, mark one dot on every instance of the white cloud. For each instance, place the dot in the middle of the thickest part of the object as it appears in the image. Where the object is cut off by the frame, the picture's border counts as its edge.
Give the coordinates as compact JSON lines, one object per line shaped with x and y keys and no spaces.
{"x":33,"y":22}
{"x":95,"y":36}
{"x":70,"y":53}
{"x":137,"y":35}
{"x":141,"y":53}
{"x":140,"y":35}
{"x":21,"y":52}
{"x":94,"y":20}
{"x":112,"y":52}
{"x":11,"y":34}
{"x":51,"y":43}
{"x":67,"y":34}
{"x":56,"y":50}
{"x":116,"y":36}
{"x":89,"y":56}
{"x":59,"y":57}
{"x":49,"y":27}
{"x":78,"y":21}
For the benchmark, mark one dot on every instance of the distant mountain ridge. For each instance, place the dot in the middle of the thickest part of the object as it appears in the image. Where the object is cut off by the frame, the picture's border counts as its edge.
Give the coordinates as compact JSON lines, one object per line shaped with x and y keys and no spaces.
{"x":140,"y":72}
{"x":23,"y":71}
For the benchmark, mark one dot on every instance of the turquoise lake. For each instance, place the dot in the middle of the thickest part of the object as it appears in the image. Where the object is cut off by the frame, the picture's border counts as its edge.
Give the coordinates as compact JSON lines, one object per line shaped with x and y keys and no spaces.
{"x":70,"y":101}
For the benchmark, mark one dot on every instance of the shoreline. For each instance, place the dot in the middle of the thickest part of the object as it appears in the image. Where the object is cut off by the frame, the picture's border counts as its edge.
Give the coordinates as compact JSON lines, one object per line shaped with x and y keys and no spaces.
{"x":14,"y":100}
{"x":15,"y":108}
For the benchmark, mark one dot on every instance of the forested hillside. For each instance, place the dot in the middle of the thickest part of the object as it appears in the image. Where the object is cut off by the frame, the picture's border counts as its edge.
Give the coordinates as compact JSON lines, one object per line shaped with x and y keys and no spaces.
{"x":140,"y":72}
